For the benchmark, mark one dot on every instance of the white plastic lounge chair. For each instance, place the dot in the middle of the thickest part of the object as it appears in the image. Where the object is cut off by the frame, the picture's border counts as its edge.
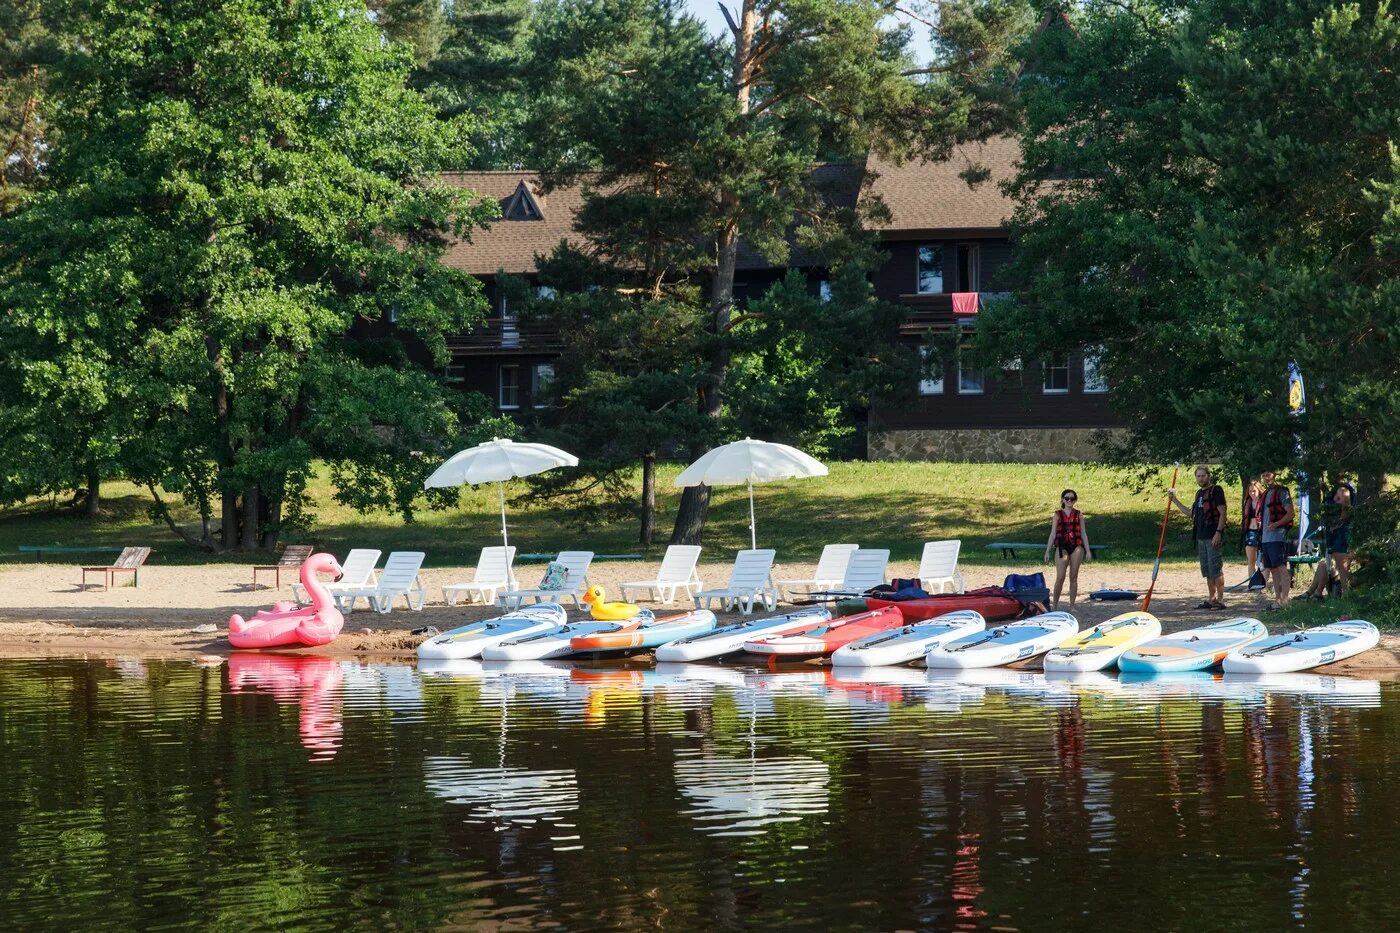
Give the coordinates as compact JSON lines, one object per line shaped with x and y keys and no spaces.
{"x":493,"y":574}
{"x":831,"y":569}
{"x":939,"y":567}
{"x":865,"y":570}
{"x":400,"y":578}
{"x":576,"y":565}
{"x":751,"y":580}
{"x":356,"y":571}
{"x":677,"y":573}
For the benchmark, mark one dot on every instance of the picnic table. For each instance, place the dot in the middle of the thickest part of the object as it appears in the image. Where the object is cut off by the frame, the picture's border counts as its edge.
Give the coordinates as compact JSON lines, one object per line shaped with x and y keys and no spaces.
{"x":1008,"y":548}
{"x":39,"y":550}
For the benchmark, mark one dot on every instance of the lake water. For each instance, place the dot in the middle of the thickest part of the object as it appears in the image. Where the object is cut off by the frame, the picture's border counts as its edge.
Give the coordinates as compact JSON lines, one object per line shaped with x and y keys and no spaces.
{"x":324,"y":794}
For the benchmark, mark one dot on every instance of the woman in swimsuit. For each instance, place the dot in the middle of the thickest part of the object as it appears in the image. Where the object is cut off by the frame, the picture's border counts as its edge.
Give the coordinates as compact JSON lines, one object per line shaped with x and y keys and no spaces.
{"x":1070,"y":544}
{"x":1253,"y":524}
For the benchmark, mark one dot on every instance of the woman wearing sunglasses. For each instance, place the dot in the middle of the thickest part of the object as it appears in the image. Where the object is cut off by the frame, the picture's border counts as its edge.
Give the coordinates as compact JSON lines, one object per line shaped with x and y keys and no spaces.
{"x":1070,"y":544}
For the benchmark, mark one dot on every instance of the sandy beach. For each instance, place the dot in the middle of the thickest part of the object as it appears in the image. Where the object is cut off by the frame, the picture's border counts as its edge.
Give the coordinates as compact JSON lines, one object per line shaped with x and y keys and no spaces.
{"x":44,"y":612}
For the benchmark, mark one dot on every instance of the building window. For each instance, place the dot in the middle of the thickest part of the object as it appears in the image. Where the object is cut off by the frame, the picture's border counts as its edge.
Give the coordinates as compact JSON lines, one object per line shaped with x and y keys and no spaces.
{"x":968,"y":267}
{"x":508,"y":387}
{"x":1094,"y":381}
{"x":824,"y":290}
{"x":1056,"y":375}
{"x":969,"y":381}
{"x":541,"y":377}
{"x":932,"y":382}
{"x":510,"y":329}
{"x":545,"y":293}
{"x":930,"y":269}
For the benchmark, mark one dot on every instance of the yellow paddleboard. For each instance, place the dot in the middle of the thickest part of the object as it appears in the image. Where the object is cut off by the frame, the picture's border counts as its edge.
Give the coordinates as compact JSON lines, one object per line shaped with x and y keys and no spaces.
{"x":1099,"y":647}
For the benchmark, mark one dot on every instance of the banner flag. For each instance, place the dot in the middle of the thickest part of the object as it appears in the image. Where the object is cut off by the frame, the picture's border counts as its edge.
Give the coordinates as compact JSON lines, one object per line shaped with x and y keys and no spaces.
{"x":1297,"y":407}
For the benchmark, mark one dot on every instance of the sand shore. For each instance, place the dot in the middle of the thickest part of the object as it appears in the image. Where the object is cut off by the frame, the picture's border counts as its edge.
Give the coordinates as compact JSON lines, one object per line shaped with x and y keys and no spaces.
{"x":43,"y":611}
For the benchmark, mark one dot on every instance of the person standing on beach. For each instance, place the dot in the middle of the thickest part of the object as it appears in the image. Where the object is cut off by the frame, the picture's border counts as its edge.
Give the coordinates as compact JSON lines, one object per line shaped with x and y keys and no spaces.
{"x":1253,"y":525}
{"x":1340,"y":503}
{"x":1207,"y":516}
{"x":1070,"y":544}
{"x":1277,"y":507}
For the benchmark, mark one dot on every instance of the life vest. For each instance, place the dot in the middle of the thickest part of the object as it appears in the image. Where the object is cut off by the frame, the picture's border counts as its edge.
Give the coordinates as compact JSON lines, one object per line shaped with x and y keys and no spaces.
{"x":1069,"y":532}
{"x":1276,"y":509}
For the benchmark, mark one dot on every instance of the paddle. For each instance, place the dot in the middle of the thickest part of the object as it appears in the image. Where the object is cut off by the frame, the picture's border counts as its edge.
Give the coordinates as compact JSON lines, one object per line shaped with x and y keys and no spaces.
{"x":1161,"y":540}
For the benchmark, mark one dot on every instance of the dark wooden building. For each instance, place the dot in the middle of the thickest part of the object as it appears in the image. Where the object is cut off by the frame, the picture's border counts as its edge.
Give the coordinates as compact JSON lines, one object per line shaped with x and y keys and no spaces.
{"x":947,"y":244}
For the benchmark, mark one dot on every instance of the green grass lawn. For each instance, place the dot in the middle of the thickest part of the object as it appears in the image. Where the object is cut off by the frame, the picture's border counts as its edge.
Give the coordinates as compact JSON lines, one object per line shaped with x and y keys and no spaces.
{"x":894,"y":505}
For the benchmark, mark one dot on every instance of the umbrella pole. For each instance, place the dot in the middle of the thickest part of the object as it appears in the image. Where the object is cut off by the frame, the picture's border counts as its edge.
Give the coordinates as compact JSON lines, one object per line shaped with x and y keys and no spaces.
{"x":501,"y":487}
{"x":753,"y":532}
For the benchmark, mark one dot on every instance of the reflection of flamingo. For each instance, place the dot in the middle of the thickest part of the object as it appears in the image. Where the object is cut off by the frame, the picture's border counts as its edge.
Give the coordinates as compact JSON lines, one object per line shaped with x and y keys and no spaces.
{"x":311,"y":681}
{"x":284,"y":623}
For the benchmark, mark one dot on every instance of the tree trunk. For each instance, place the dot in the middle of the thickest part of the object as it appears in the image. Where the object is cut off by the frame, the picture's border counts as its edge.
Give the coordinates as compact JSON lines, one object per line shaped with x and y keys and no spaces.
{"x":93,"y":508}
{"x":249,"y":538}
{"x":272,"y":521}
{"x":648,"y":498}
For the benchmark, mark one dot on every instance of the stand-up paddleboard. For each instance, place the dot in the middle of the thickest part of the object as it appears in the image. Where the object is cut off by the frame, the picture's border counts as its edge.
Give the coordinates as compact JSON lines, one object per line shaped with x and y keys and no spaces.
{"x":729,"y":639}
{"x":909,"y":643}
{"x":823,"y":639}
{"x":649,"y":633}
{"x":1195,"y":649}
{"x":468,"y":641}
{"x":1299,"y":651}
{"x":995,"y":604}
{"x":548,"y":644}
{"x":1005,"y":644}
{"x":1100,"y":646}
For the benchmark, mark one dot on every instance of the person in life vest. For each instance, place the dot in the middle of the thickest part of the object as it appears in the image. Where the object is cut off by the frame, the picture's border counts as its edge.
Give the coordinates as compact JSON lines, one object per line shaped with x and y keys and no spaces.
{"x":1277,"y":510}
{"x":1252,"y":530}
{"x":1070,"y":544}
{"x":1207,"y":516}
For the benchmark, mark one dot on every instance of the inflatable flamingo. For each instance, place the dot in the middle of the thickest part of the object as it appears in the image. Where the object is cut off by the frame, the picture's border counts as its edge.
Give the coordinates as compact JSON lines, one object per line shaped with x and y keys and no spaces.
{"x":284,"y":623}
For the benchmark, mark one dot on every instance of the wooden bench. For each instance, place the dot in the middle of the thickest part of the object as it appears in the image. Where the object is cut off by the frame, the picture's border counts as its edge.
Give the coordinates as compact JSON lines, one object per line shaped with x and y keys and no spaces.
{"x":1008,"y":548}
{"x":129,"y":561}
{"x":39,"y":550}
{"x":293,"y":556}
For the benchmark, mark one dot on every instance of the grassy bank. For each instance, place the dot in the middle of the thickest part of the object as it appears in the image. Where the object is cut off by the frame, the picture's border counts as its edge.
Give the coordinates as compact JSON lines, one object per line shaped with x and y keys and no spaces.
{"x":894,"y":505}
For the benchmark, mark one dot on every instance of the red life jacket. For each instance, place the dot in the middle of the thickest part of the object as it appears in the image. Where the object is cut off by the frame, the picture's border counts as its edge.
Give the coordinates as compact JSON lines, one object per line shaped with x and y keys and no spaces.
{"x":1069,"y":532}
{"x":1276,"y":509}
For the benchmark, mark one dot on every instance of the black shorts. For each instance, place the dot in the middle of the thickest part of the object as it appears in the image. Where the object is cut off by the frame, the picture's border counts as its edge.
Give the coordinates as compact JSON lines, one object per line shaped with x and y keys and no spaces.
{"x":1339,"y":541}
{"x":1273,"y":554}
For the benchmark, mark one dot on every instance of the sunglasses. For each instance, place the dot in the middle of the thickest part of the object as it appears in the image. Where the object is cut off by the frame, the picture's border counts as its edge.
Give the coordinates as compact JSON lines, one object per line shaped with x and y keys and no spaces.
{"x":1071,"y":499}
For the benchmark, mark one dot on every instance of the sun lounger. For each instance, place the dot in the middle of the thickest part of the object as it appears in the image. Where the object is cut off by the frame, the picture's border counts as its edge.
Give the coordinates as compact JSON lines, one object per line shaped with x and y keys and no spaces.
{"x":128,"y":561}
{"x":865,"y":570}
{"x":750,"y":581}
{"x":293,"y":556}
{"x":400,"y":578}
{"x":939,"y":567}
{"x":831,"y":568}
{"x":494,"y":573}
{"x":356,"y":572}
{"x":576,"y":564}
{"x":677,"y":573}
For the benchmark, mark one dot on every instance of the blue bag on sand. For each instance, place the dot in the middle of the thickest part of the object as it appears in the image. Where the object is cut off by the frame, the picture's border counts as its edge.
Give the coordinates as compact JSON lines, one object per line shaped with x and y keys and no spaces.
{"x":1024,"y":581}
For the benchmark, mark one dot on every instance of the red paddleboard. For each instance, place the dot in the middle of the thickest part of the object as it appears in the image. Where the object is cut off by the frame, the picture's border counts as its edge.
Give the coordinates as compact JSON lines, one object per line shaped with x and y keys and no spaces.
{"x":995,"y":604}
{"x":826,"y":637}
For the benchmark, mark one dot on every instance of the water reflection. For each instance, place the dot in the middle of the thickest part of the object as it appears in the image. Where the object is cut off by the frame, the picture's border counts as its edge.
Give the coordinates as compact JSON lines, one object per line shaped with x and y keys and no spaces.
{"x":534,"y":794}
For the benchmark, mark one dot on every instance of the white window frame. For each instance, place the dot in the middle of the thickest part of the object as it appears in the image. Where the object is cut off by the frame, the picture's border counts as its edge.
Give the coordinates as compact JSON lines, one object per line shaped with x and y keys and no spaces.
{"x":1046,"y":367}
{"x":918,"y":269}
{"x":501,"y":386}
{"x":933,"y":386}
{"x":963,"y":388}
{"x":536,"y":387}
{"x":1093,"y":360}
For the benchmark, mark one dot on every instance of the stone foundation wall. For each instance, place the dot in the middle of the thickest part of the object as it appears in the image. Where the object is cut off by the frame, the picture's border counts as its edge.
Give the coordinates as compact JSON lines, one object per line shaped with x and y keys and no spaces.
{"x":986,"y":445}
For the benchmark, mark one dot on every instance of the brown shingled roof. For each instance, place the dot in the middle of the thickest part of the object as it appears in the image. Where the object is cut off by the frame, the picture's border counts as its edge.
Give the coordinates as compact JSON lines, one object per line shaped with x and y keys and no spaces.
{"x":511,"y":245}
{"x":929,"y":196}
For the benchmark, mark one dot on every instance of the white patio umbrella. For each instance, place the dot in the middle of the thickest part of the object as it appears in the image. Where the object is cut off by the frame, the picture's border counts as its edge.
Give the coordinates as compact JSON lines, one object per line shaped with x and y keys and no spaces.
{"x":749,"y":461}
{"x":496,"y":461}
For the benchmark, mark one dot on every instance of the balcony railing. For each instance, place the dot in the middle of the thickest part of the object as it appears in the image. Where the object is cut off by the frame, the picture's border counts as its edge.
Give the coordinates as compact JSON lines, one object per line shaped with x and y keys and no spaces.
{"x":506,"y":335}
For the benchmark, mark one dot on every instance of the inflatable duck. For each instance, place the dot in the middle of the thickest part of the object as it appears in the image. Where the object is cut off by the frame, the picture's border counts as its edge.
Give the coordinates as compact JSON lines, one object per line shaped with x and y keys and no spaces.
{"x":605,"y":611}
{"x":285,"y":623}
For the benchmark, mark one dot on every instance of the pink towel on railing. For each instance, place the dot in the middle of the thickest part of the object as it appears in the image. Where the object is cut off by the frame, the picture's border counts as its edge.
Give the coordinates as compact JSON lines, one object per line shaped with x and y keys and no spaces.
{"x":965,"y":303}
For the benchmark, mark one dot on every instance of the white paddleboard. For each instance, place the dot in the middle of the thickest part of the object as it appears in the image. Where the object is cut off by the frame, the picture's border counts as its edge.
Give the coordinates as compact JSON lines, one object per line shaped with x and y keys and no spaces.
{"x":1195,"y":649}
{"x":902,"y":645}
{"x":1005,"y":644}
{"x":548,"y":643}
{"x":1100,"y":646}
{"x":1299,"y":651}
{"x":729,"y":639}
{"x":468,"y":641}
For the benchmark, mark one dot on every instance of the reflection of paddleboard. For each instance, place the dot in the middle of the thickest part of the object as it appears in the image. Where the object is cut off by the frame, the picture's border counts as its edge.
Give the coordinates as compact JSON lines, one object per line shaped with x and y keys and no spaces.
{"x":1299,"y":651}
{"x":1100,"y":646}
{"x":1325,"y":688}
{"x":650,"y":633}
{"x":902,"y":645}
{"x":729,"y":639}
{"x":825,"y":638}
{"x":1194,"y":649}
{"x":451,"y":667}
{"x":1005,"y":644}
{"x":468,"y":641}
{"x":701,"y":673}
{"x":1150,"y":687}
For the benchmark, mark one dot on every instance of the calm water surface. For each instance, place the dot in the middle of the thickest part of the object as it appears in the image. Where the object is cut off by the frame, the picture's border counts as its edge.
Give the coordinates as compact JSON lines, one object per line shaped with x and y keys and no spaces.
{"x":325,"y":794}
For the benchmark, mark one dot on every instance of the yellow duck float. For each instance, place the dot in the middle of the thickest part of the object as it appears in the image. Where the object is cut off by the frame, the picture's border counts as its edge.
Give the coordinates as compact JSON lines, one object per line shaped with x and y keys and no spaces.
{"x":605,"y":611}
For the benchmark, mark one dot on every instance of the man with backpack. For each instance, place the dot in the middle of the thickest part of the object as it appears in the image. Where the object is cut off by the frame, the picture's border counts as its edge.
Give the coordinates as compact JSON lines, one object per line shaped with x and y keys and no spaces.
{"x":1207,"y":516}
{"x":1277,"y":508}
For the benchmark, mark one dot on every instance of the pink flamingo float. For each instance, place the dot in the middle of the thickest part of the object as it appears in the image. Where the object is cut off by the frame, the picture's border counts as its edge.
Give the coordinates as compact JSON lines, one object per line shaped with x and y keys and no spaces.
{"x":288,"y":624}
